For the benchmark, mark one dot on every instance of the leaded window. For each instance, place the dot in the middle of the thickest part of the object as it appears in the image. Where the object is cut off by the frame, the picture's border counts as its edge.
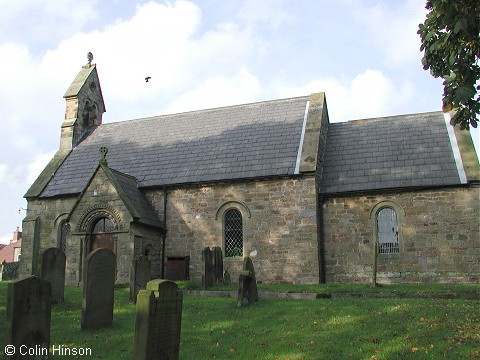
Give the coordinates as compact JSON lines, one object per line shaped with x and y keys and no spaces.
{"x":233,"y":225}
{"x":64,"y":230}
{"x":387,"y":229}
{"x":103,"y":225}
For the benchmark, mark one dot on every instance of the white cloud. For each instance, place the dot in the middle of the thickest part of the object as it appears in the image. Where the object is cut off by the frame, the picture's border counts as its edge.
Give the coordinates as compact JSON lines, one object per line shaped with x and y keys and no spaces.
{"x":34,"y":168}
{"x":43,"y":21}
{"x":393,"y":27}
{"x":161,"y":41}
{"x":272,"y":13}
{"x":3,"y":173}
{"x":5,"y":239}
{"x":369,"y":94}
{"x":218,"y":91}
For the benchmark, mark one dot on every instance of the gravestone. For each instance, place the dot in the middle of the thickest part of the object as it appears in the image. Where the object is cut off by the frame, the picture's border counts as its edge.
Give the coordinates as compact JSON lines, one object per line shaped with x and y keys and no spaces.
{"x":98,"y":289}
{"x":226,"y":277}
{"x":158,"y":321}
{"x":29,"y":304}
{"x":53,"y":270}
{"x":247,"y":284}
{"x":209,"y":268}
{"x":218,"y":264}
{"x":139,"y":276}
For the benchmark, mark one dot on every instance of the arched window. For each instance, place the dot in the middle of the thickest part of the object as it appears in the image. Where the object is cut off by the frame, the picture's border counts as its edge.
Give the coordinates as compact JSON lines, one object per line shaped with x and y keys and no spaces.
{"x":103,"y":225}
{"x":62,"y":236}
{"x":387,"y":231}
{"x":233,"y":233}
{"x":101,"y":236}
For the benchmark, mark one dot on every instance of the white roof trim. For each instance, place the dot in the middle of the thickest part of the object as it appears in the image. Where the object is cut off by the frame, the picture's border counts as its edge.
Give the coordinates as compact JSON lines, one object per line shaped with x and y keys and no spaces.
{"x":302,"y":137}
{"x":455,"y":149}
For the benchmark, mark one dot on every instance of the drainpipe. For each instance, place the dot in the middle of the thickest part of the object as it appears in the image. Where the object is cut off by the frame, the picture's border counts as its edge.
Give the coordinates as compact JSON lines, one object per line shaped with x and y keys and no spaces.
{"x":164,"y":233}
{"x":321,"y":239}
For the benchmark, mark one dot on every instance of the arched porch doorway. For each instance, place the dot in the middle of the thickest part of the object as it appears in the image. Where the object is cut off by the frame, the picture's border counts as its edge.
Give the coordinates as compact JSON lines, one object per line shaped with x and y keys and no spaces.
{"x":102,"y":234}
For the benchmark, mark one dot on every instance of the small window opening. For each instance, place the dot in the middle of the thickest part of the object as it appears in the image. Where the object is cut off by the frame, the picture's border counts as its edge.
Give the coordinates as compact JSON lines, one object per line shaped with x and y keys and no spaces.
{"x":387,"y":228}
{"x":233,"y":225}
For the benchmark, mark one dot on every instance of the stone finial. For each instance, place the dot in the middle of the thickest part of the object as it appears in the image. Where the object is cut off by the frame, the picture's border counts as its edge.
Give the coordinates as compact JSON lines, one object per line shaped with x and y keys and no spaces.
{"x":90,"y":58}
{"x":103,"y":153}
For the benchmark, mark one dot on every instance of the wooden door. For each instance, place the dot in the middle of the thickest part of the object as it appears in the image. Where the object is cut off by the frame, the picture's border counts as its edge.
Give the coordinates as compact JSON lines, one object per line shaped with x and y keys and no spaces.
{"x":103,"y":240}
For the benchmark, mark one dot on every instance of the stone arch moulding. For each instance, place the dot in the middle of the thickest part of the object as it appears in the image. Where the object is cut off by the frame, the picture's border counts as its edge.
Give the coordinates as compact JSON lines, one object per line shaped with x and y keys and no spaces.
{"x":95,"y":212}
{"x":233,"y":204}
{"x":400,"y":213}
{"x":58,"y":220}
{"x":386,"y":204}
{"x":57,"y":223}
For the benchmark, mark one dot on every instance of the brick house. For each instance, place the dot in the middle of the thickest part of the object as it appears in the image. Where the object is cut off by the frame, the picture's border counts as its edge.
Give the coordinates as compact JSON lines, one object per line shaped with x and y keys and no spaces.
{"x":314,"y":200}
{"x":10,"y":256}
{"x":11,"y":252}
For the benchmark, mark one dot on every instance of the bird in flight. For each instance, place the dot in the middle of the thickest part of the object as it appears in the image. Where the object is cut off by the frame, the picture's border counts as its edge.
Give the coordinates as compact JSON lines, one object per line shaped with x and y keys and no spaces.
{"x":147,"y":78}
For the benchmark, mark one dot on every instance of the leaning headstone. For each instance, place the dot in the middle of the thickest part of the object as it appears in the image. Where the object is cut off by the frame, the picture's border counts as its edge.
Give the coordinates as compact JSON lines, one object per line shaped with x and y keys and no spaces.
{"x":29,"y":304}
{"x":53,"y":270}
{"x":139,"y":276}
{"x":158,"y":321}
{"x":218,"y":264}
{"x":247,"y":284}
{"x":209,"y":268}
{"x":98,"y":289}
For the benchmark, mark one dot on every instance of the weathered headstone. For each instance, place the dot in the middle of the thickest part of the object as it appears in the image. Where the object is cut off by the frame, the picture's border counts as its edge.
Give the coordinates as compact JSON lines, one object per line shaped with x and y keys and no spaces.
{"x":29,"y":304}
{"x":98,"y":289}
{"x":139,"y":276}
{"x":53,"y":270}
{"x":247,"y":284}
{"x":218,"y":264}
{"x":227,"y":279}
{"x":209,"y":268}
{"x":158,"y":321}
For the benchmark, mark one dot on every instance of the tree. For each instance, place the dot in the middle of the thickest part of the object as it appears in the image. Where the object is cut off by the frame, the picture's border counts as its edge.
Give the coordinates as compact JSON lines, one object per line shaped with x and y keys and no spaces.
{"x":451,"y":43}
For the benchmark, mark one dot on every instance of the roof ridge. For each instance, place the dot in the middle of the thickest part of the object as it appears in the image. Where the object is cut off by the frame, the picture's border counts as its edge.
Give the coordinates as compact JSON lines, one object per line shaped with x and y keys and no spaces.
{"x":382,"y":118}
{"x":120,"y":173}
{"x":207,"y":110}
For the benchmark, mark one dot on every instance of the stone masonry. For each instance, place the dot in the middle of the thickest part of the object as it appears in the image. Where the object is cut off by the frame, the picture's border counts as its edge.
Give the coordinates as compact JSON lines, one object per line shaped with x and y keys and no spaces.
{"x":439,"y":237}
{"x":281,"y":226}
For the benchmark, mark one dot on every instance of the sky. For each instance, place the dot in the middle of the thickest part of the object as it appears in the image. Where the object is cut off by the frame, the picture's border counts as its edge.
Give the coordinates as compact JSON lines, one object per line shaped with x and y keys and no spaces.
{"x":363,"y":54}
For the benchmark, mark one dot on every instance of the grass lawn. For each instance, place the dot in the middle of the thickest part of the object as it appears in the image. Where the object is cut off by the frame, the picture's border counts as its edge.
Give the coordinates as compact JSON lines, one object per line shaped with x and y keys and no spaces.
{"x":356,"y":328}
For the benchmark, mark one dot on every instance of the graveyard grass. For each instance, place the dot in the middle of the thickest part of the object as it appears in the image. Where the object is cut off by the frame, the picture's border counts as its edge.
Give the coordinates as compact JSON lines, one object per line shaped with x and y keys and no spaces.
{"x":356,"y":328}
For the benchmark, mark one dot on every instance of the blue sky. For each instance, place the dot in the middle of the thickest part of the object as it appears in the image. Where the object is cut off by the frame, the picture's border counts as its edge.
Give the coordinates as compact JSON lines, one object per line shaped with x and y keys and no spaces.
{"x":200,"y":54}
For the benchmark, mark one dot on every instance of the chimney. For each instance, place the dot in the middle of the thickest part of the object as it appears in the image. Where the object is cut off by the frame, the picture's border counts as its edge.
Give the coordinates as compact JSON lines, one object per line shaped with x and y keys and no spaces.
{"x":17,"y":235}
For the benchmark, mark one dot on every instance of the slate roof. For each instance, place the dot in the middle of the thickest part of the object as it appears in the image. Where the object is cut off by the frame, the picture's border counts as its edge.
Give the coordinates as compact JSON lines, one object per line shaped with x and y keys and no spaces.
{"x":132,"y":197}
{"x":236,"y":142}
{"x":391,"y":152}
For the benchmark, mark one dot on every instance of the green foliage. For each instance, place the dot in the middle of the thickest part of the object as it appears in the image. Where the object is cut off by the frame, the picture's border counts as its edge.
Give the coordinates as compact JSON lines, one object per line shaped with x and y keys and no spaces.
{"x":451,"y":44}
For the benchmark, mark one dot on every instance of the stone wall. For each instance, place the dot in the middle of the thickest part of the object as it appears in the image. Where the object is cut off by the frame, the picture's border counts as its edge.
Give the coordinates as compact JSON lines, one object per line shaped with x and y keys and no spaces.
{"x":439,"y":237}
{"x":279,"y":218}
{"x":42,"y":221}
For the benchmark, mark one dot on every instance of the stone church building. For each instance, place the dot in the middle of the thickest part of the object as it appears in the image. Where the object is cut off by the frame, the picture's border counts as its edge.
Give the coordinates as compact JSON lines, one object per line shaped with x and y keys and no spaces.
{"x":310,"y":201}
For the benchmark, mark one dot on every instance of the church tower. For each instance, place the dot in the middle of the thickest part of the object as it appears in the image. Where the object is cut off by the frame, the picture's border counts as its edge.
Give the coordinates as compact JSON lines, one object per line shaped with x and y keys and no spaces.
{"x":84,"y":106}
